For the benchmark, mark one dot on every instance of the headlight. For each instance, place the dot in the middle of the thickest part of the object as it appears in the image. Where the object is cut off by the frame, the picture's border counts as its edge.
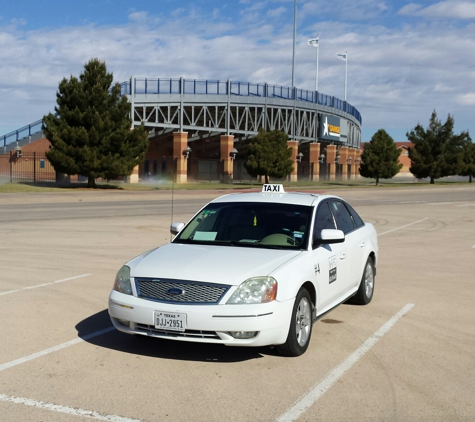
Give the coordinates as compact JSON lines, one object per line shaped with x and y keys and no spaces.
{"x":255,"y":290}
{"x":122,"y":281}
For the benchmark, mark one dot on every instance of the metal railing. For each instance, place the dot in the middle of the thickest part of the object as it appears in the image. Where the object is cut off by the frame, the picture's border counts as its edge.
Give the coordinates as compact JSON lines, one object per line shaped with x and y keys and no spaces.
{"x":22,"y":133}
{"x":214,"y":87}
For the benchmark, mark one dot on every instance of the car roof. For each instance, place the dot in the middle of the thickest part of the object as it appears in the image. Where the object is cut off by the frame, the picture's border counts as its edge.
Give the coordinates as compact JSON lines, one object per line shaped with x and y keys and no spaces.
{"x":293,"y":198}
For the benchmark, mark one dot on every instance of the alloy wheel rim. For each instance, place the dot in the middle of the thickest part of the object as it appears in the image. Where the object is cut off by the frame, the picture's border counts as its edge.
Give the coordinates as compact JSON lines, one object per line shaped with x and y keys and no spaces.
{"x":369,"y":281}
{"x":302,"y":320}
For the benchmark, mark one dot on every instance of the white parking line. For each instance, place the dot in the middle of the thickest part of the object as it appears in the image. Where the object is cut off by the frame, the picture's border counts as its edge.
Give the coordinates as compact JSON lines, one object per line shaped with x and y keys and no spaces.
{"x":323,"y":386}
{"x":64,"y":409}
{"x":402,"y":227}
{"x":45,"y":284}
{"x":53,"y":349}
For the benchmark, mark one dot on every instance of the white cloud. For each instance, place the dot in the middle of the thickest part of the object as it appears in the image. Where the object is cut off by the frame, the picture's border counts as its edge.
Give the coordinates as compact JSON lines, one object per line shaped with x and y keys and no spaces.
{"x":410,"y":9}
{"x":178,"y":12}
{"x":467,"y":99}
{"x":445,"y":9}
{"x":18,"y":22}
{"x":396,"y":76}
{"x":138,"y":17}
{"x":443,"y":88}
{"x":273,"y":13}
{"x":344,"y":9}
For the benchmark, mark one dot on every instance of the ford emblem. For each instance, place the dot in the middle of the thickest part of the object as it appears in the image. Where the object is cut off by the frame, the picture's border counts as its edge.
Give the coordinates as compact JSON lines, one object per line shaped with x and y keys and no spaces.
{"x":175,"y":291}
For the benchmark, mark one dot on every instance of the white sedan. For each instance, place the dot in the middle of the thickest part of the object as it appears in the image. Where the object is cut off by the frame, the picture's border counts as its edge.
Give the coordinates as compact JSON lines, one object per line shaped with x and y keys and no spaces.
{"x":250,"y":269}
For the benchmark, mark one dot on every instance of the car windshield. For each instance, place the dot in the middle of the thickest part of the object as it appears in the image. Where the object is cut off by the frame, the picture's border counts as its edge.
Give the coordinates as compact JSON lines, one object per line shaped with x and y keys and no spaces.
{"x":260,"y":225}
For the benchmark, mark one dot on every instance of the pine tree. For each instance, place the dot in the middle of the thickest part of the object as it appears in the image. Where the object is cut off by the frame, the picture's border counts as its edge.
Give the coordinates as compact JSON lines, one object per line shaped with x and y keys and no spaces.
{"x":437,"y":151}
{"x":90,"y":134}
{"x":269,"y":155}
{"x":380,"y":158}
{"x":468,"y":159}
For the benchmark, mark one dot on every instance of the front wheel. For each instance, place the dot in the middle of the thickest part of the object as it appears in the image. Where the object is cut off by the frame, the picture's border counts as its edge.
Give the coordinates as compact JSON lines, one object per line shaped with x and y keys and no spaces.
{"x":365,"y":292}
{"x":300,"y":329}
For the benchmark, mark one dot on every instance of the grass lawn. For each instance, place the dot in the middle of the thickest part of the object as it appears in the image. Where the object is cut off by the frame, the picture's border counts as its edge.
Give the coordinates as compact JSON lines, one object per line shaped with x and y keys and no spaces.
{"x":19,"y":187}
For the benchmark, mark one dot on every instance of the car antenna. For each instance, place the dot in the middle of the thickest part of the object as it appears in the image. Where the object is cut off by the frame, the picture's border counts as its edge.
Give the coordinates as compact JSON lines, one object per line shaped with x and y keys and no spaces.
{"x":173,"y":191}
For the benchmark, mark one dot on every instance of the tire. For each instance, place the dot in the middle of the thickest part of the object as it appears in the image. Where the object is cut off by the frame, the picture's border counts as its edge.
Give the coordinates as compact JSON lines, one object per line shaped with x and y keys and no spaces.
{"x":365,"y":292}
{"x":300,"y":329}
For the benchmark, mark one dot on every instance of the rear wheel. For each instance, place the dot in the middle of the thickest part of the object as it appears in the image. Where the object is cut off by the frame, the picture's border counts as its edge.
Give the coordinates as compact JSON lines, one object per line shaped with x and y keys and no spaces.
{"x":365,"y":291}
{"x":300,"y":329}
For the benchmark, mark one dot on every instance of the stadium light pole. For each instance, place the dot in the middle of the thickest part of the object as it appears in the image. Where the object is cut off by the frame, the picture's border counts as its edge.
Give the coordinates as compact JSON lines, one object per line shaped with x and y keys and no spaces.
{"x":293,"y":48}
{"x":344,"y":57}
{"x":315,"y":42}
{"x":346,"y":72}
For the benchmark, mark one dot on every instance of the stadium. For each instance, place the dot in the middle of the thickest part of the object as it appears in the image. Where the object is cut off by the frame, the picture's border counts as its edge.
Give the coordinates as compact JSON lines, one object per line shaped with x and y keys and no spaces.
{"x":199,"y":130}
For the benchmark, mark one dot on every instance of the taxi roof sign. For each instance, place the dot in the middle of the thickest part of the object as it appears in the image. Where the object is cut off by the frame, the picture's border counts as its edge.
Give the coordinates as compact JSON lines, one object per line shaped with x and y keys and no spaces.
{"x":273,"y":188}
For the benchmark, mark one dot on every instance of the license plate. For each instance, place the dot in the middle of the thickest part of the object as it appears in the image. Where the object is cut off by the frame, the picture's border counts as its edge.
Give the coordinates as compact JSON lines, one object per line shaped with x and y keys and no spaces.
{"x":170,"y":321}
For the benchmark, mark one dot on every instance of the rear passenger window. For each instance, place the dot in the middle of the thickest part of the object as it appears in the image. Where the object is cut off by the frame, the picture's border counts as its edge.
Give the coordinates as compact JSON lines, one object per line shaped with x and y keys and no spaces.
{"x":344,"y":222}
{"x":356,"y":218}
{"x":323,"y":220}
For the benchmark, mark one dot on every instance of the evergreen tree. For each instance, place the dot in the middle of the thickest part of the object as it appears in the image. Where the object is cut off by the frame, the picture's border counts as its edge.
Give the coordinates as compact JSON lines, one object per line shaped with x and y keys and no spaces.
{"x":437,"y":151}
{"x":269,"y":155}
{"x":468,"y":159}
{"x":90,"y":134}
{"x":380,"y":158}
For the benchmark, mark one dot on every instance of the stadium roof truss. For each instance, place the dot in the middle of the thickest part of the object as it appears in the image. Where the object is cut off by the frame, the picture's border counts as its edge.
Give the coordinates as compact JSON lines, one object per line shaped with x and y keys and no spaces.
{"x":241,"y":115}
{"x":235,"y":118}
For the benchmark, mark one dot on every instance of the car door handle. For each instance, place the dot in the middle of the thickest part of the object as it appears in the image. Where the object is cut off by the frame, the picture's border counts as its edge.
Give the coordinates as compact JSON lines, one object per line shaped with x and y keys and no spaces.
{"x":343,"y":256}
{"x":362,"y":244}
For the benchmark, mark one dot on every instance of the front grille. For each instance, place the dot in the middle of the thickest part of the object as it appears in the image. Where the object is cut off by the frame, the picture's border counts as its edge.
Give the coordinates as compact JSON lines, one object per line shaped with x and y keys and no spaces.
{"x":191,"y":292}
{"x":150,"y":329}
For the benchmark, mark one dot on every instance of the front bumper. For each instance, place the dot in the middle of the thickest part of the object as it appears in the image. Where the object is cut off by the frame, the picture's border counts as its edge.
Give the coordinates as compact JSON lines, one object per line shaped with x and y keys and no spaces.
{"x":205,"y":323}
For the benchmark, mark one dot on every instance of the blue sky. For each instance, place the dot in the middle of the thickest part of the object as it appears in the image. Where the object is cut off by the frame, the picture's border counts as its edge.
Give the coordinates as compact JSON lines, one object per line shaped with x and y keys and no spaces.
{"x":405,"y":59}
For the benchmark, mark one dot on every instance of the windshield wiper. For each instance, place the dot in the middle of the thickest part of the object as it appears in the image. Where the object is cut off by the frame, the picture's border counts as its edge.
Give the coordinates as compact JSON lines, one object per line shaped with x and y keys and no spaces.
{"x":256,"y":244}
{"x":204,"y":242}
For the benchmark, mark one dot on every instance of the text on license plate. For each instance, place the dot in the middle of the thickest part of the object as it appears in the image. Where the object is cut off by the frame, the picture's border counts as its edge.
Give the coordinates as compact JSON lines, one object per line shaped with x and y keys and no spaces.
{"x":170,"y":321}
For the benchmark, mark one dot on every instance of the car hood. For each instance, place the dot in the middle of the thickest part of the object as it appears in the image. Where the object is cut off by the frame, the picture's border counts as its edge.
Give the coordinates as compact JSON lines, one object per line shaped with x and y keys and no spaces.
{"x":218,"y":264}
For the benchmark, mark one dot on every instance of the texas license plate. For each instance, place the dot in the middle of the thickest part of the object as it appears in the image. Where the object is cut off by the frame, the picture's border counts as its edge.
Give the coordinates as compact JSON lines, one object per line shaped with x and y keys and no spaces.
{"x":170,"y":321}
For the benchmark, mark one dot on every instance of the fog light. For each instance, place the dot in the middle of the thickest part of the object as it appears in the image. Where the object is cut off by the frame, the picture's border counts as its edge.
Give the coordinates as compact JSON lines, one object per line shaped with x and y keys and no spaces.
{"x":123,"y":322}
{"x":241,"y":335}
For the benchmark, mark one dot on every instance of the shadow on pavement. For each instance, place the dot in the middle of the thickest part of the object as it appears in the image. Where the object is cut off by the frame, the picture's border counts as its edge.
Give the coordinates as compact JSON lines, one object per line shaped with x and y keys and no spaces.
{"x":163,"y":349}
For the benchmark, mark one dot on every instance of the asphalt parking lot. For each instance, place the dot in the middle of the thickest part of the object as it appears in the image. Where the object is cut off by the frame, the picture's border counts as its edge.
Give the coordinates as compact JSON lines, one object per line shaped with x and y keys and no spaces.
{"x":408,"y":356}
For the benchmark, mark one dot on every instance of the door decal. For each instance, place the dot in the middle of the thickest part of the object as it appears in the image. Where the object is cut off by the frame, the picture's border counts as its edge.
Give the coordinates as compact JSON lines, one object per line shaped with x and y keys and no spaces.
{"x":332,"y":267}
{"x":317,"y":269}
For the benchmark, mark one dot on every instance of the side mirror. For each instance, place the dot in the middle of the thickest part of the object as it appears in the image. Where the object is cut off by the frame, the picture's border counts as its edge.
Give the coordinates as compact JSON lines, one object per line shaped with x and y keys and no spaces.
{"x":176,"y":228}
{"x":329,"y":236}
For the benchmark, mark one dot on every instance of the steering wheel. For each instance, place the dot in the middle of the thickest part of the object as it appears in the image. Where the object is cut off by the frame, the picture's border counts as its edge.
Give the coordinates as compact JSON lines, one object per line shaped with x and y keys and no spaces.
{"x":278,"y":239}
